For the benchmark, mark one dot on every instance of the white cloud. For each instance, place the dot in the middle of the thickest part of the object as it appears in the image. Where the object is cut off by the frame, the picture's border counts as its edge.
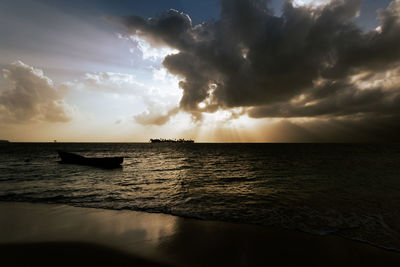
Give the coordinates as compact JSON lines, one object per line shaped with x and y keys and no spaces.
{"x":155,"y":116}
{"x":160,"y":74}
{"x":150,"y":52}
{"x":32,"y":97}
{"x":121,"y":96}
{"x":110,"y":82}
{"x":312,"y":3}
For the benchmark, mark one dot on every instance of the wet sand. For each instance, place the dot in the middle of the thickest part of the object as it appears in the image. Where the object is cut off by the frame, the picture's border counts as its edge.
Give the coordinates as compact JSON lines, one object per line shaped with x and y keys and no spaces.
{"x":60,"y":235}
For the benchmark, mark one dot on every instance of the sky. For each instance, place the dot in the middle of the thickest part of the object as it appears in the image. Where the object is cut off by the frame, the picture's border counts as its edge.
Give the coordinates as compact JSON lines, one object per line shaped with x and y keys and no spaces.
{"x":212,"y":71}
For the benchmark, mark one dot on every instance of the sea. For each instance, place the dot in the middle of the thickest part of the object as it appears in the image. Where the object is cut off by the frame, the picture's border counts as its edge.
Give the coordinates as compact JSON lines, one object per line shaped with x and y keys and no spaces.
{"x":349,"y":190}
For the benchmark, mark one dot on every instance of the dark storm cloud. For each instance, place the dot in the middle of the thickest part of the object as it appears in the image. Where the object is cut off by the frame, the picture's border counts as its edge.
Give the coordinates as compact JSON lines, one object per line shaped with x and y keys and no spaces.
{"x":335,"y":130}
{"x":251,"y":58}
{"x":342,"y":100}
{"x":166,"y":29}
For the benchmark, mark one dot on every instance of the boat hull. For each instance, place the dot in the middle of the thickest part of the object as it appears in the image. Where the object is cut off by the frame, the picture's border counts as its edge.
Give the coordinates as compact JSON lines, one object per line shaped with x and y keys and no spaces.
{"x":107,"y":162}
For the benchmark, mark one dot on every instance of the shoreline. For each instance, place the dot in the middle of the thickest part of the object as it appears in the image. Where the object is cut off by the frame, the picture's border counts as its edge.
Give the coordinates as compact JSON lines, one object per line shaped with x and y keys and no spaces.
{"x":275,"y":228}
{"x":160,"y":239}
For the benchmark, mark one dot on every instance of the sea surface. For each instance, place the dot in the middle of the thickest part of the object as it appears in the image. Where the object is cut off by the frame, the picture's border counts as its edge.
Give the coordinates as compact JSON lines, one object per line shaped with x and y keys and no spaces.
{"x":350,"y":190}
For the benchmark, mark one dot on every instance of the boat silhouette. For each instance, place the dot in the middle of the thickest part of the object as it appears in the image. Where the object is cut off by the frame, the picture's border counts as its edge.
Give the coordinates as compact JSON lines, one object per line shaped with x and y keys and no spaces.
{"x":105,"y":162}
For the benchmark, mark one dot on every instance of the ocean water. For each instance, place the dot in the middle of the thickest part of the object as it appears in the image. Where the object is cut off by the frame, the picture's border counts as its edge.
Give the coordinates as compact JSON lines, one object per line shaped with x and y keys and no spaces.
{"x":350,"y":190}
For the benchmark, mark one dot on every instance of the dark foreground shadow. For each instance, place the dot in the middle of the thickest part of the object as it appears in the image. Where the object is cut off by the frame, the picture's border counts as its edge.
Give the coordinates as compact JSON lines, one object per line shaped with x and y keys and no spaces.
{"x":209,"y":243}
{"x":67,"y":254}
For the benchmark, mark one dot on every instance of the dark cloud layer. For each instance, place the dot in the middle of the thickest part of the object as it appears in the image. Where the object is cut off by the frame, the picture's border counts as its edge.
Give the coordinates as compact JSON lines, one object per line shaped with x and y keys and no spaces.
{"x":310,"y":62}
{"x":334,"y":130}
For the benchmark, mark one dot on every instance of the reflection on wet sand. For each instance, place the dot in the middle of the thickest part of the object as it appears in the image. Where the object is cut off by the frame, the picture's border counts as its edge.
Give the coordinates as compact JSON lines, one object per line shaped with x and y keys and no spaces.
{"x":129,"y":232}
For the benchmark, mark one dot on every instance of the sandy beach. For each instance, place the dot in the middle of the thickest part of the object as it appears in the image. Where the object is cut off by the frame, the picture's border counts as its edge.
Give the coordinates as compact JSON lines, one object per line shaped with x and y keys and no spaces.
{"x":48,"y":234}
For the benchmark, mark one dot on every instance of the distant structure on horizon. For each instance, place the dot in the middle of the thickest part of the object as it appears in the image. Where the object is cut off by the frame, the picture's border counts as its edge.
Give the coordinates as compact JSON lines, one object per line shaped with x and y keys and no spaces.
{"x":161,"y":140}
{"x":4,"y":141}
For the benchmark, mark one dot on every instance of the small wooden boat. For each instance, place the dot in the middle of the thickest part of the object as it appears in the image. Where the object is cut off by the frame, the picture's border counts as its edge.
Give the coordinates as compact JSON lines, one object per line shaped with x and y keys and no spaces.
{"x":106,"y":162}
